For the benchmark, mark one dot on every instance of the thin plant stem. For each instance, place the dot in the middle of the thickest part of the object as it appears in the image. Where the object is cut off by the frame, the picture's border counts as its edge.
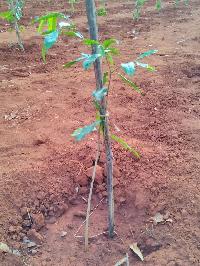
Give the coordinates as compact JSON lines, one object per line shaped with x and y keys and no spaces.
{"x":90,"y":193}
{"x":16,"y":26}
{"x":93,"y":29}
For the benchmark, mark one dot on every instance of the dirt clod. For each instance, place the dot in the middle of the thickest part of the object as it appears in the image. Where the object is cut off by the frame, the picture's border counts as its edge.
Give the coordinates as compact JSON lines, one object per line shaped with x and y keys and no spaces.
{"x":99,"y":178}
{"x":38,"y":221}
{"x":35,"y":236}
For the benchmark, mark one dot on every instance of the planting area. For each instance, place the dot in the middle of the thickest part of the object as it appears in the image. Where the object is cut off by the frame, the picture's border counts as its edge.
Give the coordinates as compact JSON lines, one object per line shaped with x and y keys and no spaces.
{"x":44,"y":179}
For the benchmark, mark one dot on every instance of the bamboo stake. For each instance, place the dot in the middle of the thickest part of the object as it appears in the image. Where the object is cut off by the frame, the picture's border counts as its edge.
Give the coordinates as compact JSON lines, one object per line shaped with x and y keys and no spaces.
{"x":93,"y":28}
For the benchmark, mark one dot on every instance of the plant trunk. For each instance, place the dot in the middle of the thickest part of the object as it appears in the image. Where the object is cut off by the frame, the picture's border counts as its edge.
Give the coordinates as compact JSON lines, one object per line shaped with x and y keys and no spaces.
{"x":93,"y":28}
{"x":16,"y":26}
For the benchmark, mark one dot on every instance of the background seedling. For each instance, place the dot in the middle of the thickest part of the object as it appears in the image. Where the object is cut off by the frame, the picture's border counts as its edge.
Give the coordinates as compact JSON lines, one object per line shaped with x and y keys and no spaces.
{"x":13,"y":16}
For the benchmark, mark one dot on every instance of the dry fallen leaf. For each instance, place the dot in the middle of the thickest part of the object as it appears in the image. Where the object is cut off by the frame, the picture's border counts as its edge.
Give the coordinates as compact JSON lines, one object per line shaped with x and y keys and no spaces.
{"x":122,"y":261}
{"x":137,"y":251}
{"x":5,"y":248}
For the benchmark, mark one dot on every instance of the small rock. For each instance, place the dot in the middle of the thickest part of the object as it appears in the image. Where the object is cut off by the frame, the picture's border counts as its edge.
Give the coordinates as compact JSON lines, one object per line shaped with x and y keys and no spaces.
{"x":31,"y":244}
{"x":99,"y":178}
{"x":63,"y":234}
{"x":80,"y":214}
{"x":34,"y":251}
{"x":35,"y":236}
{"x":184,"y":212}
{"x":122,"y":200}
{"x":38,"y":221}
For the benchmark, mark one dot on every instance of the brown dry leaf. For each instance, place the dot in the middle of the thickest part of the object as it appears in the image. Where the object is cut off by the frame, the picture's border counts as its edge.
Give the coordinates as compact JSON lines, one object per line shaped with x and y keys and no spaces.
{"x":137,"y":251}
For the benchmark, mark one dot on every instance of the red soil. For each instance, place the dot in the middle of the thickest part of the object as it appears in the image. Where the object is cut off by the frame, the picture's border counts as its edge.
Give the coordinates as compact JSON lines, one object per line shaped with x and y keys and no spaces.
{"x":41,"y":166}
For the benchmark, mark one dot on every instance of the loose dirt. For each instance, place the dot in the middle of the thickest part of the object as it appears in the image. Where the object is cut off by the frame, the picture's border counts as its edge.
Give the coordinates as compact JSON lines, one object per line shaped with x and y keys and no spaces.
{"x":44,"y":177}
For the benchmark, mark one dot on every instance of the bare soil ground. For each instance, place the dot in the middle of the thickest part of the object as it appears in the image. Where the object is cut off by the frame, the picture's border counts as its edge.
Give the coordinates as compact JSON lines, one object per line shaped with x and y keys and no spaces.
{"x":41,"y":166}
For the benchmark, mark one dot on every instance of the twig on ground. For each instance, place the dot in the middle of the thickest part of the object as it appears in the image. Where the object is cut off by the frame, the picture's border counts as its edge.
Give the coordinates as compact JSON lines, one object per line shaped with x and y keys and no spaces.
{"x":105,"y":232}
{"x":90,"y":193}
{"x":75,"y":235}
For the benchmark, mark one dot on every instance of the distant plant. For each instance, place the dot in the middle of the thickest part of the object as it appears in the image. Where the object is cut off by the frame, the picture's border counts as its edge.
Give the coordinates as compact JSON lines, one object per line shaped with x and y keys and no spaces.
{"x":101,"y":11}
{"x":13,"y":16}
{"x":72,"y":2}
{"x":158,"y":5}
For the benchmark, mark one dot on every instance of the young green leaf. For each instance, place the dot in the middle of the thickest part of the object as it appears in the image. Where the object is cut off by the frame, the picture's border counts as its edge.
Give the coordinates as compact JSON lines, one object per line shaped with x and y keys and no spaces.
{"x":126,"y":146}
{"x":107,"y":43}
{"x":50,"y":39}
{"x":101,"y":12}
{"x":99,"y":94}
{"x":80,"y":133}
{"x":129,"y":68}
{"x":105,"y":77}
{"x":90,"y":42}
{"x":130,"y":83}
{"x":73,"y":34}
{"x":150,"y":52}
{"x":158,"y":4}
{"x":147,"y":66}
{"x":90,"y":59}
{"x":8,"y":16}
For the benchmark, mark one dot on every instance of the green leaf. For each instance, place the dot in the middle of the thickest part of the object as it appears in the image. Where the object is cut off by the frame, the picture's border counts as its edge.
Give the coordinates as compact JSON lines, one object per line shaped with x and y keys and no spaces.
{"x":101,"y":12}
{"x":147,"y":66}
{"x":105,"y":77}
{"x":125,"y":145}
{"x":107,"y":43}
{"x":90,"y":59}
{"x":80,"y":133}
{"x":73,"y":34}
{"x":90,"y":42}
{"x":51,"y":15}
{"x":50,"y":39}
{"x":110,"y":58}
{"x":112,"y":50}
{"x":150,"y":52}
{"x":8,"y":16}
{"x":130,"y":83}
{"x":99,"y":94}
{"x":73,"y":62}
{"x":158,"y":4}
{"x":42,"y":23}
{"x":129,"y":68}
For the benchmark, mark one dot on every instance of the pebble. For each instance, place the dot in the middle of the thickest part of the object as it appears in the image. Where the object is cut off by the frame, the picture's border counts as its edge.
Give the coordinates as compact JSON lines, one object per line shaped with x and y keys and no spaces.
{"x":31,"y":244}
{"x":34,"y":251}
{"x":80,"y":214}
{"x":63,"y":234}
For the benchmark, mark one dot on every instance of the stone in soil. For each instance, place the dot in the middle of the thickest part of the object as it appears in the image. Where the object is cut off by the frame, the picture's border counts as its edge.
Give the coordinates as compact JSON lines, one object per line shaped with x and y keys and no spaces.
{"x":35,"y":236}
{"x":38,"y":221}
{"x":80,"y":214}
